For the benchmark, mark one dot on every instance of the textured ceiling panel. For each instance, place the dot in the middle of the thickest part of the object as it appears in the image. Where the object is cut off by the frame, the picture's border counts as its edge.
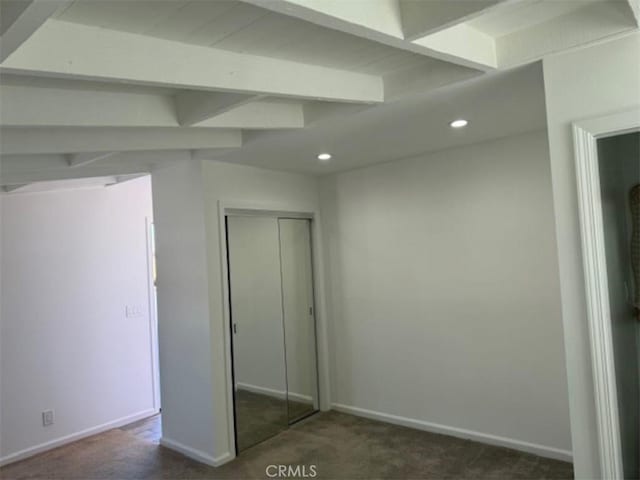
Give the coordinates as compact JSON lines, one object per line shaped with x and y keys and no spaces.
{"x":517,"y":16}
{"x":243,"y":28}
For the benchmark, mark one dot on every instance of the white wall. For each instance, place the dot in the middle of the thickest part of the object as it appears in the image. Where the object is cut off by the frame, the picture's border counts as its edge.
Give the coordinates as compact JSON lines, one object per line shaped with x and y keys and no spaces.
{"x":619,"y":159}
{"x":580,"y":84}
{"x":71,"y":262}
{"x":184,"y":331}
{"x":191,"y":320}
{"x":443,"y":285}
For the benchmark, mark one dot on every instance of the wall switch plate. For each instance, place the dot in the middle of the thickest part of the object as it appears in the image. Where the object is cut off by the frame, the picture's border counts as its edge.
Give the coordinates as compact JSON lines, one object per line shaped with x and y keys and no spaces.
{"x":133,"y":311}
{"x":47,"y":418}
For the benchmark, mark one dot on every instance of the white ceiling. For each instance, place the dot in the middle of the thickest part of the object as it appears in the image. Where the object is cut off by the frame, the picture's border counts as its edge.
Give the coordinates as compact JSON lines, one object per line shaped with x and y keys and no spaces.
{"x":95,"y":88}
{"x":501,"y":105}
{"x":521,"y":15}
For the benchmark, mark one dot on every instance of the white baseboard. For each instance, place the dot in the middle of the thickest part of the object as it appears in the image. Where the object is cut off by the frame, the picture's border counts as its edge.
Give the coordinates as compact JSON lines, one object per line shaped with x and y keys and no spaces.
{"x":270,"y":392}
{"x":28,"y":452}
{"x":541,"y":450}
{"x":197,"y":455}
{"x":298,"y":397}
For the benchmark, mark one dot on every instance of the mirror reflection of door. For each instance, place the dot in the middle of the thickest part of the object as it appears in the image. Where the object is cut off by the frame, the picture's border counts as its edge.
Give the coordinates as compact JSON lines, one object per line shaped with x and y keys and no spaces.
{"x":299,"y":323}
{"x":272,"y":324}
{"x":258,"y":337}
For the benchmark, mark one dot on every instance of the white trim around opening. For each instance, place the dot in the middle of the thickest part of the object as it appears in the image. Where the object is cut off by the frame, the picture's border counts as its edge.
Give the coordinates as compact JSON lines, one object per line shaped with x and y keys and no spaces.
{"x":585,"y":137}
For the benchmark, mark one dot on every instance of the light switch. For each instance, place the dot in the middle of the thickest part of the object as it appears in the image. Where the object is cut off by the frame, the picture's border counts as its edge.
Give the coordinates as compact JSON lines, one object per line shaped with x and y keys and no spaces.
{"x":134,"y":311}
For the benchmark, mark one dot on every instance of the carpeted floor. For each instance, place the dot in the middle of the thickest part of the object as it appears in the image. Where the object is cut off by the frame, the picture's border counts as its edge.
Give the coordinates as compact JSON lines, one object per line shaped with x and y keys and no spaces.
{"x":149,"y":429}
{"x":259,"y":417}
{"x":339,"y":446}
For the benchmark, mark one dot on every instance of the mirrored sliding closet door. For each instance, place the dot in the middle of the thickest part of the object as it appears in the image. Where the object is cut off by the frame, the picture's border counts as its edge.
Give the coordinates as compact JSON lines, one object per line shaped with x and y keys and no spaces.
{"x":272,"y":324}
{"x":299,"y":325}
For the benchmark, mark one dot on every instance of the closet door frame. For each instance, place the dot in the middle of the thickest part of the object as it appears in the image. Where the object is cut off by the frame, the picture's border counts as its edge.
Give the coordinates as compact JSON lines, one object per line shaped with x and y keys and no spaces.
{"x":242,"y":209}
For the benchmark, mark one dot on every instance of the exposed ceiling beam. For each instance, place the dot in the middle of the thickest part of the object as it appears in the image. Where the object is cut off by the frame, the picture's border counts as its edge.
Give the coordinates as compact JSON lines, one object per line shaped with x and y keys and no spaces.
{"x":604,"y":18}
{"x":380,"y":22}
{"x":424,"y":79}
{"x":14,"y":188}
{"x":22,"y":169}
{"x":62,"y":49}
{"x":195,"y":107}
{"x":20,"y":19}
{"x":118,"y":179}
{"x":321,"y":111}
{"x":36,"y":106}
{"x":463,"y":41}
{"x":82,"y":159}
{"x":72,"y":183}
{"x":207,"y":153}
{"x":44,"y":175}
{"x":263,"y":115}
{"x":634,"y":5}
{"x":26,"y":106}
{"x":422,"y":18}
{"x":382,"y":16}
{"x":23,"y":141}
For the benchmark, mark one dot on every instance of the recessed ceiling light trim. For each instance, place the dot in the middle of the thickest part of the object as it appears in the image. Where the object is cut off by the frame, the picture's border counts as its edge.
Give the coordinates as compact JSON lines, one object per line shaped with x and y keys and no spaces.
{"x":324,"y":156}
{"x":459,"y":123}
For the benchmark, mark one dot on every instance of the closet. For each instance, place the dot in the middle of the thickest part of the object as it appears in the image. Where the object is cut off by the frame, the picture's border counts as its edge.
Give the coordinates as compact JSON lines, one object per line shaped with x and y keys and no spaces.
{"x":273,"y":331}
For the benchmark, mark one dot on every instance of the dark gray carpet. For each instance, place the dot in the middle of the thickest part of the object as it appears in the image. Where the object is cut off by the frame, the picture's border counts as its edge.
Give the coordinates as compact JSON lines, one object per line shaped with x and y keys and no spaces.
{"x":149,"y":429}
{"x":340,"y":446}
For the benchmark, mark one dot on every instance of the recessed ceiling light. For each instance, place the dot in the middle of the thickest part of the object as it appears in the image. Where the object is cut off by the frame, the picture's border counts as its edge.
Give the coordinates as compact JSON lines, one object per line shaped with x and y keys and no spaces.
{"x":324,"y":156}
{"x":459,"y":123}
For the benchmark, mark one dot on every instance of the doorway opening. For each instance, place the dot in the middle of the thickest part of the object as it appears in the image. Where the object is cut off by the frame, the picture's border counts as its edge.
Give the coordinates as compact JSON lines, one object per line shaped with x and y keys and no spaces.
{"x":79,"y":340}
{"x":619,"y":171}
{"x":607,"y":163}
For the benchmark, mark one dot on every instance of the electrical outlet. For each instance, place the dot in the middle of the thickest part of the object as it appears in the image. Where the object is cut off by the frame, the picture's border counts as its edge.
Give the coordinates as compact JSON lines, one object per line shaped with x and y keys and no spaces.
{"x":47,"y":418}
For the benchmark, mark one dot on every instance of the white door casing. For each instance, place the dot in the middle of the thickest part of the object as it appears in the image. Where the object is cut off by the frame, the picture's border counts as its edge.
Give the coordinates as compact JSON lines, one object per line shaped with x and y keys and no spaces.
{"x":585,"y":135}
